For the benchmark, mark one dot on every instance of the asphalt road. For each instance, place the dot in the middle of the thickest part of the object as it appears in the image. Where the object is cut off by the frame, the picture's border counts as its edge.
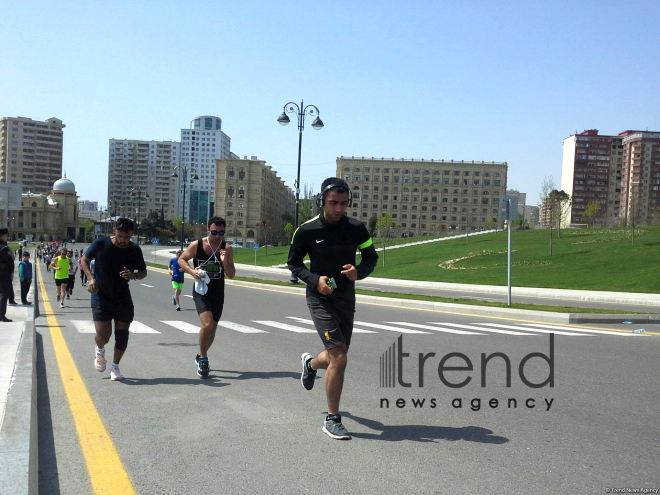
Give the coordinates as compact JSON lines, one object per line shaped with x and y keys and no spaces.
{"x":252,"y":428}
{"x":161,"y":254}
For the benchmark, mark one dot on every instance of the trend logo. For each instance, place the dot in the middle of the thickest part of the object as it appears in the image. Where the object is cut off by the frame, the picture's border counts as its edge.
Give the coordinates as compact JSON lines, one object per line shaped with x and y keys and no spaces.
{"x":327,"y":335}
{"x":318,"y":242}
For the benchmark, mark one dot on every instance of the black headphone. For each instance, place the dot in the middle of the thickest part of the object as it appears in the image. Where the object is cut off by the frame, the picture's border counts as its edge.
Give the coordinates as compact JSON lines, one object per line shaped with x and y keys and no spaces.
{"x":320,"y":202}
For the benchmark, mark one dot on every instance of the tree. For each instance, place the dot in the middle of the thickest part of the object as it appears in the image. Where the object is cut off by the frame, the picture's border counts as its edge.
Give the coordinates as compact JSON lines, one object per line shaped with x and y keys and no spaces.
{"x":263,"y":231}
{"x":306,"y":208}
{"x":560,"y":203}
{"x":288,"y":231}
{"x":373,"y":222}
{"x":88,"y":227}
{"x":591,"y":211}
{"x":385,"y":226}
{"x":521,"y":220}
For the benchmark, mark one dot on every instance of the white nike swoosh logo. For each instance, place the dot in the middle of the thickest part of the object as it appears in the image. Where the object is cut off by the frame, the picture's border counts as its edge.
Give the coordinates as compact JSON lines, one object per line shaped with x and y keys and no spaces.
{"x":317,"y":241}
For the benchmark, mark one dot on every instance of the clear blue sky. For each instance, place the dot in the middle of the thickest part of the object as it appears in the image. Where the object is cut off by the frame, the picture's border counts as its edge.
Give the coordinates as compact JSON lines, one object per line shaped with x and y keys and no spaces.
{"x":481,"y":80}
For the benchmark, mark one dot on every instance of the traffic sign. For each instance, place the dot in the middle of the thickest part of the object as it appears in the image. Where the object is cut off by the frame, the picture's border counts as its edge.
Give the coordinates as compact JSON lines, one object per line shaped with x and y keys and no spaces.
{"x":154,"y":241}
{"x":255,"y":246}
{"x":508,"y":208}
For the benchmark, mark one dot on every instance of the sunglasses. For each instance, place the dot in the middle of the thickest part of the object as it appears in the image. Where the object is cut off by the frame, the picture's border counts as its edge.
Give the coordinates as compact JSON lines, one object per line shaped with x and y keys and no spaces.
{"x":217,"y":232}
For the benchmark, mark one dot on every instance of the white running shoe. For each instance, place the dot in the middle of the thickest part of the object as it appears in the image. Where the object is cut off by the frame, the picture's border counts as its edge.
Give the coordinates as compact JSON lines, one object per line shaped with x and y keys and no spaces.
{"x":61,"y":304}
{"x":99,"y":361}
{"x":115,"y":374}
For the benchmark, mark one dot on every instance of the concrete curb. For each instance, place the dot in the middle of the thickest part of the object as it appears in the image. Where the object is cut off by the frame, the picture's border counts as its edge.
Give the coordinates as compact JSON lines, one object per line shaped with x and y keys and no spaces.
{"x":19,"y":449}
{"x":468,"y":309}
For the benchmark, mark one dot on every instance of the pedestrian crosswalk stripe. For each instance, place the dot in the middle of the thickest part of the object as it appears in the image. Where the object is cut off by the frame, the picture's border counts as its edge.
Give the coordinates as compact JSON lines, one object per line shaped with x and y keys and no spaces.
{"x":239,"y":328}
{"x":183,"y":326}
{"x":138,"y":327}
{"x":472,"y":327}
{"x":187,"y":295}
{"x":621,"y":334}
{"x":84,"y":326}
{"x":310,"y":322}
{"x":284,"y":326}
{"x":388,"y":327}
{"x":435,"y":329}
{"x":498,"y":325}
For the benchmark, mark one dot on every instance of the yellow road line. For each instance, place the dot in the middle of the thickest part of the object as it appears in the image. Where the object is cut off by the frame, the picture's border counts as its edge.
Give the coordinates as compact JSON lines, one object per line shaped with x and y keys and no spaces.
{"x":106,"y":470}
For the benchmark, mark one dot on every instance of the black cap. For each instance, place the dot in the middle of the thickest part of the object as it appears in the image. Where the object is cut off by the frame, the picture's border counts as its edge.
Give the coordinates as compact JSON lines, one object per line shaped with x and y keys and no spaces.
{"x":4,"y":230}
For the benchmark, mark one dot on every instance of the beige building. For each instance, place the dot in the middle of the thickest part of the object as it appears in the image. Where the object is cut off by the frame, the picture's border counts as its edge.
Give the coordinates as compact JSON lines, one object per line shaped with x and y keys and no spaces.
{"x":147,"y":166}
{"x":425,"y":197}
{"x":31,"y":152}
{"x":248,"y":192}
{"x":640,"y":183}
{"x":47,"y":217}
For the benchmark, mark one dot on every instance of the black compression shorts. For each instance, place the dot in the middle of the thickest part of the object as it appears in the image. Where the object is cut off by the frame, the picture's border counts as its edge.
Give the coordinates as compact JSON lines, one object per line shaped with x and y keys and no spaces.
{"x":124,"y":315}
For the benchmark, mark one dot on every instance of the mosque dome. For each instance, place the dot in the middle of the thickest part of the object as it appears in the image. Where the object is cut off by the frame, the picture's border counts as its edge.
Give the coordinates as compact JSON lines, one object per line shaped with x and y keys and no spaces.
{"x":64,"y":184}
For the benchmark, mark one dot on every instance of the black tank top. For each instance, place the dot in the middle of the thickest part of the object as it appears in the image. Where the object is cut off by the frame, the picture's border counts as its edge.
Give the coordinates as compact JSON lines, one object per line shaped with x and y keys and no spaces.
{"x":211,"y":264}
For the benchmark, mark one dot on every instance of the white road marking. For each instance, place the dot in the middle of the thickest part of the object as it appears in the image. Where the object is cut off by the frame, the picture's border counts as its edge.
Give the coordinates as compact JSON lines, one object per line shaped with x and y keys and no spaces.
{"x":435,"y":329}
{"x":138,"y":327}
{"x":310,"y":322}
{"x":183,"y":326}
{"x":84,"y":326}
{"x":186,"y":295}
{"x":239,"y":328}
{"x":498,"y":325}
{"x":472,"y":327}
{"x":388,"y":327}
{"x":284,"y":326}
{"x":148,"y":285}
{"x":605,"y":332}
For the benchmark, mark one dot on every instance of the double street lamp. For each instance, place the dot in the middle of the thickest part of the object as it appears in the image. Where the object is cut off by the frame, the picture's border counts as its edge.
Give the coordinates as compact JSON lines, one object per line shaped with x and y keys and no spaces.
{"x":137,"y":192}
{"x":300,"y":112}
{"x":184,"y":170}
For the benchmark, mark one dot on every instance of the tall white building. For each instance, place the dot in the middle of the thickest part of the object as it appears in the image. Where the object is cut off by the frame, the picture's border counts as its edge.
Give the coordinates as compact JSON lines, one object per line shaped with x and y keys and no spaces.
{"x":139,"y":177}
{"x":201,"y":145}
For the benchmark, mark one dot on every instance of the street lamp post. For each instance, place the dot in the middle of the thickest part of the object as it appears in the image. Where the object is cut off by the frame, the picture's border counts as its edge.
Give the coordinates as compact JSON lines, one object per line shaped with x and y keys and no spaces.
{"x":184,"y":170}
{"x":300,"y":112}
{"x":137,"y":191}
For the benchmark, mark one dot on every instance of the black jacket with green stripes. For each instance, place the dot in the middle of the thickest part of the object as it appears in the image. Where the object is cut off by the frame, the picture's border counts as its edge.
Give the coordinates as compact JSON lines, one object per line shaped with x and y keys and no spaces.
{"x":330,"y":247}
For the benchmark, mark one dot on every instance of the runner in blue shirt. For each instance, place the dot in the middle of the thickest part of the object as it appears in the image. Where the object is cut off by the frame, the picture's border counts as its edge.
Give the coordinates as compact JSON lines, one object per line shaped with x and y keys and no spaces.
{"x":177,"y":279}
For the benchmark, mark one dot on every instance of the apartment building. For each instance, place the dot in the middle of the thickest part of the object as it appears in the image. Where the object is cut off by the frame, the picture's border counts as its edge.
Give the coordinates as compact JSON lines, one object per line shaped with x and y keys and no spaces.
{"x":87,"y":205}
{"x":248,"y":192}
{"x":140,"y":172}
{"x":640,"y":181}
{"x":202,"y":144}
{"x":591,"y":171}
{"x":31,"y":152}
{"x":425,"y":197}
{"x":522,"y":199}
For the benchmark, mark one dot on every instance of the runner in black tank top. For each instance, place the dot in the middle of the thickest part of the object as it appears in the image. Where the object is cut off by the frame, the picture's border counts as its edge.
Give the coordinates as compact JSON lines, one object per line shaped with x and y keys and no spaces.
{"x":212,"y":256}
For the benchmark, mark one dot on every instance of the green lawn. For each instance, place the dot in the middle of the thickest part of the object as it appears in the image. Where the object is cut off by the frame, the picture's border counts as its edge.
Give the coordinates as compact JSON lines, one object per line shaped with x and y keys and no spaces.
{"x":589,"y":259}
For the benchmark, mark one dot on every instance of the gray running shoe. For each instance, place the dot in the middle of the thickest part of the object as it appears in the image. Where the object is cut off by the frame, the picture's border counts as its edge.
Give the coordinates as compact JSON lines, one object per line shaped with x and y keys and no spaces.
{"x":336,"y":430}
{"x":307,"y":377}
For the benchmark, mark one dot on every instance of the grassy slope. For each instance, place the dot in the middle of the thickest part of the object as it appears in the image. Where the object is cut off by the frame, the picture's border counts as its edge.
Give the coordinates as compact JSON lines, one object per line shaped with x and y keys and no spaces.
{"x":591,"y":259}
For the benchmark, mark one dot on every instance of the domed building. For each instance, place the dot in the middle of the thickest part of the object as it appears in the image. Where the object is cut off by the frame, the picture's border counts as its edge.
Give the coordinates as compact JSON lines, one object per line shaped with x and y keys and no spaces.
{"x":47,"y":217}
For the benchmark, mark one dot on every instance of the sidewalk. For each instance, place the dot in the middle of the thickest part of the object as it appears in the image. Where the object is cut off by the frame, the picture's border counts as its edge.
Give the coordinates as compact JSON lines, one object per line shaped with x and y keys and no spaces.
{"x":163,"y":256}
{"x":19,"y":471}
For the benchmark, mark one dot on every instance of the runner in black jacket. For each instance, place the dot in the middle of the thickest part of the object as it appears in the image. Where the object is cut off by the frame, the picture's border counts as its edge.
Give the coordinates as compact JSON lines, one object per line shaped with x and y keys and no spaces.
{"x":331,"y":240}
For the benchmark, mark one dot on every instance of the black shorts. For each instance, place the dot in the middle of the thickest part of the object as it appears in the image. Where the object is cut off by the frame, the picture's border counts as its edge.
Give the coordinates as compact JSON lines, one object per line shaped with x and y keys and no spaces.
{"x":211,"y":303}
{"x":72,"y":282}
{"x":60,"y":281}
{"x":124,"y":314}
{"x":333,"y":322}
